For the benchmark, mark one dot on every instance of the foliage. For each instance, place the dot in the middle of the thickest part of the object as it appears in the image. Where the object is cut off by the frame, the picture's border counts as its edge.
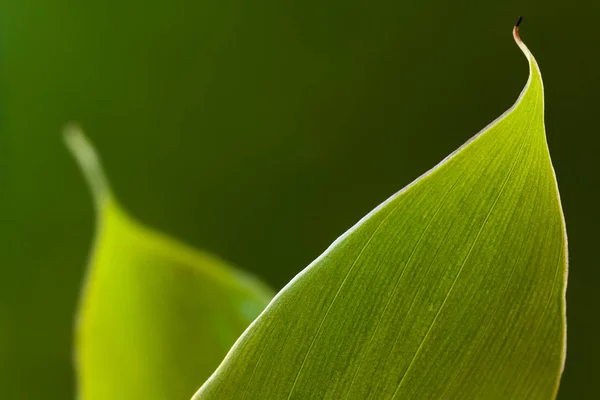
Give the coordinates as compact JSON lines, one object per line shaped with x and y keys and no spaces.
{"x":452,"y":288}
{"x":156,"y":316}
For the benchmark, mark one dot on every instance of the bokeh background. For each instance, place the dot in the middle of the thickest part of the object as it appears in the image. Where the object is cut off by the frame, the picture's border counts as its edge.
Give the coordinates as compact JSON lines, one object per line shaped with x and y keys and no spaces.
{"x":261,"y":130}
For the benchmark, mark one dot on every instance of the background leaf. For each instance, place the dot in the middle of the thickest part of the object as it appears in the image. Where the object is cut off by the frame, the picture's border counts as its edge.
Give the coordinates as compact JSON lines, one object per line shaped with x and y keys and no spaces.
{"x":453,"y":288}
{"x":156,"y":316}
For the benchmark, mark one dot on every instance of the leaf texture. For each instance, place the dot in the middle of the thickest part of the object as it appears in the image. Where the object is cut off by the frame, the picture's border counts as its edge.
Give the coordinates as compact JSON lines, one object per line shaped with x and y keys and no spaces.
{"x":156,"y":316}
{"x":452,"y":288}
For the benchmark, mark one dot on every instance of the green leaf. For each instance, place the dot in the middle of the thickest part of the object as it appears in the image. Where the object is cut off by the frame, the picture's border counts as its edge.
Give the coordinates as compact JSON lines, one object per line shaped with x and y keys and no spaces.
{"x":452,"y":288}
{"x":156,"y":317}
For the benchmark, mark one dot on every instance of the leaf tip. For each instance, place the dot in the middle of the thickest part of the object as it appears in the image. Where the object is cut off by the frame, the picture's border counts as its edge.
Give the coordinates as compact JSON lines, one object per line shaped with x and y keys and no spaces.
{"x":519,"y":21}
{"x":88,"y":161}
{"x":516,"y":30}
{"x":520,"y":43}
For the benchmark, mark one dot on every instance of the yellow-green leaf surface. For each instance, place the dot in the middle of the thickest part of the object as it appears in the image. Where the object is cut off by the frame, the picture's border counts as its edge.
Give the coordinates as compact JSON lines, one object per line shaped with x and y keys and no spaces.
{"x":156,"y":317}
{"x":451,"y":289}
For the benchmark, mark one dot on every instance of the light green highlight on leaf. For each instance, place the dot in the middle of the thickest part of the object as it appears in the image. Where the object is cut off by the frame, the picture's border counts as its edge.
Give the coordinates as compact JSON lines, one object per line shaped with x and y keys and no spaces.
{"x":453,"y":288}
{"x":156,"y":316}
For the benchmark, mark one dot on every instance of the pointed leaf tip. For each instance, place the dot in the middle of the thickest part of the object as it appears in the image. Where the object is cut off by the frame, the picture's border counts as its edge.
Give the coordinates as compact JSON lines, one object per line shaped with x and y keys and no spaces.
{"x":88,"y":161}
{"x":519,"y":21}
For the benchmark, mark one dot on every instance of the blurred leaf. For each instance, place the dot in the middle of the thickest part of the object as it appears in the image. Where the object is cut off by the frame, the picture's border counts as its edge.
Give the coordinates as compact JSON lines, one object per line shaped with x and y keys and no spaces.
{"x":452,"y":288}
{"x":156,"y":316}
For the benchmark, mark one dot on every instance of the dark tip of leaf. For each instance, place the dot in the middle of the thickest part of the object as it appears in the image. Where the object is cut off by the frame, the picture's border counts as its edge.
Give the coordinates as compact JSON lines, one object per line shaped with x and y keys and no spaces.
{"x":519,"y":21}
{"x":516,"y":30}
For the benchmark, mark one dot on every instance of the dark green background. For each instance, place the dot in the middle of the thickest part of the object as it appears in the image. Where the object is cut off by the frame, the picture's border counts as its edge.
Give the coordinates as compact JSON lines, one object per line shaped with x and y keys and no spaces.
{"x":261,"y":130}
